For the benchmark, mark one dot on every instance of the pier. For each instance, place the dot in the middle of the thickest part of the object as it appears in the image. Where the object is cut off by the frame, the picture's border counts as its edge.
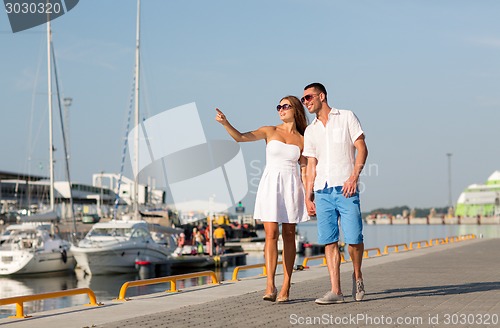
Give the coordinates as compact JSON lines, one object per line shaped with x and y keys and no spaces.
{"x":151,"y":269}
{"x":442,"y":285}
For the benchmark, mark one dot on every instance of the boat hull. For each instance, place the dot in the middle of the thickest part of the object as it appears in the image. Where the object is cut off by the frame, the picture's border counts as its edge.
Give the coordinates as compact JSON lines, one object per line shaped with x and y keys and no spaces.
{"x":27,"y":262}
{"x":34,"y":247}
{"x":117,"y":259}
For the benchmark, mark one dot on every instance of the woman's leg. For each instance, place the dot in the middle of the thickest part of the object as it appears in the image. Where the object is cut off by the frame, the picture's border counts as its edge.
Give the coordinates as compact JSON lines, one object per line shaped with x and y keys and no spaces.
{"x":271,"y":253}
{"x":289,"y":252}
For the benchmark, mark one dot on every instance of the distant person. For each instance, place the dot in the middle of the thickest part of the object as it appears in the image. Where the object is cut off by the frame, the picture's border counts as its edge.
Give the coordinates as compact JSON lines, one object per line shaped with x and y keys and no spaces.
{"x":280,"y":197}
{"x":197,"y":240}
{"x":220,"y":240}
{"x":334,"y":145}
{"x":193,"y":236}
{"x":207,"y":238}
{"x":181,"y":241}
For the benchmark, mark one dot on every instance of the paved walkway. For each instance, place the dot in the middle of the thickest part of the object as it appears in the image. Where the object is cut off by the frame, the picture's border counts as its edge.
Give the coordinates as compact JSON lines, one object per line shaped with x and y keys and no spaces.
{"x":439,"y":286}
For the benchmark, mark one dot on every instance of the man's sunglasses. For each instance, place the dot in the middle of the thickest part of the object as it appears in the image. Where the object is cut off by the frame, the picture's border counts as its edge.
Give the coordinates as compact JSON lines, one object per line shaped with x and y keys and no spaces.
{"x":308,"y":97}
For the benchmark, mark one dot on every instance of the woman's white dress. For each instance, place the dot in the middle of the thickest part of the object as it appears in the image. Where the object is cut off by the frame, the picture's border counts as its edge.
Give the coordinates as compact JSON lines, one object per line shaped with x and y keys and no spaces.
{"x":280,"y":196}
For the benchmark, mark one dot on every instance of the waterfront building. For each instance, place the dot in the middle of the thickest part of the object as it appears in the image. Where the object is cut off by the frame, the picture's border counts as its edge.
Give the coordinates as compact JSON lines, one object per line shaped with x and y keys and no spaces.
{"x":480,"y":199}
{"x":30,"y":193}
{"x":147,"y":194}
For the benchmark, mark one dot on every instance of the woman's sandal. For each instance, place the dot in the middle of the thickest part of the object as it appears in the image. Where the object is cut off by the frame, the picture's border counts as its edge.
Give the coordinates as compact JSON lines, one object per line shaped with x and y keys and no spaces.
{"x":282,"y":299}
{"x":271,"y":297}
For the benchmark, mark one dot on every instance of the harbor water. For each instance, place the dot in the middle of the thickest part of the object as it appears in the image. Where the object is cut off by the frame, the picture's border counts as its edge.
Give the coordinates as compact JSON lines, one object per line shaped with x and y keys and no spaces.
{"x":107,"y":287}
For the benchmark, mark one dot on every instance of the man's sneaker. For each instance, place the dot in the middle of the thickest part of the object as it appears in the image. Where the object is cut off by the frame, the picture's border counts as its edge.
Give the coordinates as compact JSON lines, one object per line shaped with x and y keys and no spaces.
{"x":358,"y":289}
{"x":330,"y":298}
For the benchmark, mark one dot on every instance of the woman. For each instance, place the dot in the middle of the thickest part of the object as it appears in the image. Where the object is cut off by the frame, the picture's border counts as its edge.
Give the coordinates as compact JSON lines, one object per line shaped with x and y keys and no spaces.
{"x":280,"y":196}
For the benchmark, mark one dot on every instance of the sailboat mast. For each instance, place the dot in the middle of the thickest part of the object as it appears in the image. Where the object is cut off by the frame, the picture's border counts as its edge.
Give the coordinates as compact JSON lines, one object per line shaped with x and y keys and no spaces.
{"x":136,"y":133}
{"x":51,"y":143}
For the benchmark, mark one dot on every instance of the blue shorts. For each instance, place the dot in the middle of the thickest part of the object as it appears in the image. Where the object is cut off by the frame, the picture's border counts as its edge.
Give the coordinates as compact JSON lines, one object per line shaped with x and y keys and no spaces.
{"x":330,"y":204}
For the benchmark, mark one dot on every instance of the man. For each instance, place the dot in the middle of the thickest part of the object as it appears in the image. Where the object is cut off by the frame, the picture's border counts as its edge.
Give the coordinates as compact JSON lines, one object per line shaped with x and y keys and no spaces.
{"x":334,"y":145}
{"x":220,"y":239}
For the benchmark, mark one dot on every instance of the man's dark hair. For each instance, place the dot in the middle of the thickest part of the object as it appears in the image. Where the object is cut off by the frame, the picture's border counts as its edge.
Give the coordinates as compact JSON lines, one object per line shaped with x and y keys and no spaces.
{"x":318,"y":86}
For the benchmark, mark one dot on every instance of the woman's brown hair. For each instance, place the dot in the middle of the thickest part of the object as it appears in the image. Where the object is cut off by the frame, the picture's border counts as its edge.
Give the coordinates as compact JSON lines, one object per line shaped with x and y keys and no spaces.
{"x":299,"y":116}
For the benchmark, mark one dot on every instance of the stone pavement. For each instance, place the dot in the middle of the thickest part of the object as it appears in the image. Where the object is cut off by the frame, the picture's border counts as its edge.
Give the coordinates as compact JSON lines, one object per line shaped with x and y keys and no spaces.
{"x":457,"y":284}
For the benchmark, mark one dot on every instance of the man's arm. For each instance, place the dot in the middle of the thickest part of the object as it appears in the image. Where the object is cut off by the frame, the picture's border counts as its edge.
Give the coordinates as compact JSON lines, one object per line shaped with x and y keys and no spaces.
{"x":303,"y":168}
{"x":351,"y":184}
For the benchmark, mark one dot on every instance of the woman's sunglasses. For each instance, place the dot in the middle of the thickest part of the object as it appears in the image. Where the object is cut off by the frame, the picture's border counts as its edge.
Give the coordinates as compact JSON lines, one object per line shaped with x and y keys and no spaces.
{"x":285,"y":107}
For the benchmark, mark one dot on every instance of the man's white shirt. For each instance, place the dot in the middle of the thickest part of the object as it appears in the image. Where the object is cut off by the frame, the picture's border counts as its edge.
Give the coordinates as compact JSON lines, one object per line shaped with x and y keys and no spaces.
{"x":333,"y":146}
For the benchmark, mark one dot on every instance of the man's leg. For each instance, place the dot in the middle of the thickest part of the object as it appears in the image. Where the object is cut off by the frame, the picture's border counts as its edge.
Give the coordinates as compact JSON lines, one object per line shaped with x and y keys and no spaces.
{"x":352,"y":226}
{"x":356,"y":254}
{"x":332,"y":254}
{"x":328,"y":235}
{"x":358,"y":286}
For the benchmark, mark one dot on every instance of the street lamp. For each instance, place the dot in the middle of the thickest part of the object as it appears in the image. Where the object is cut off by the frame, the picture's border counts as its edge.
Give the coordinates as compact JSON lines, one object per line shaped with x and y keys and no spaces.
{"x":67,"y":103}
{"x":450,"y":200}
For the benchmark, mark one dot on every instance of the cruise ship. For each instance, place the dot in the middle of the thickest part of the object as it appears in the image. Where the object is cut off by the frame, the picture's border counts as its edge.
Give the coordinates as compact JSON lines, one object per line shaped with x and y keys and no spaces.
{"x":480,"y":199}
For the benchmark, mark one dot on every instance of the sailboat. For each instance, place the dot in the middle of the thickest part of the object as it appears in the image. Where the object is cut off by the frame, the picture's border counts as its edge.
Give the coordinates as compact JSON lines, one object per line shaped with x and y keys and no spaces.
{"x":116,"y":246}
{"x":34,"y":246}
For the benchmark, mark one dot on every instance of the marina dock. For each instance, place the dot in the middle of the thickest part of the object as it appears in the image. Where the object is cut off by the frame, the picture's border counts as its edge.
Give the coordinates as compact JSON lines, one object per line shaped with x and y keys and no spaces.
{"x":443,"y":285}
{"x":150,"y":269}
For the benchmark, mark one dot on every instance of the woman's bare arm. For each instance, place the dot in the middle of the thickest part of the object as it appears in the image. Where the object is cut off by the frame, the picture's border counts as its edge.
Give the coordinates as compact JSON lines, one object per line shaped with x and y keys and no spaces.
{"x":259,"y":134}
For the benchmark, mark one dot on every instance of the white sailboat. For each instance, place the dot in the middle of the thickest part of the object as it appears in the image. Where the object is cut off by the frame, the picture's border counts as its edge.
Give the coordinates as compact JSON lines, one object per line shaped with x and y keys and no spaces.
{"x":34,"y":245}
{"x":115,"y":246}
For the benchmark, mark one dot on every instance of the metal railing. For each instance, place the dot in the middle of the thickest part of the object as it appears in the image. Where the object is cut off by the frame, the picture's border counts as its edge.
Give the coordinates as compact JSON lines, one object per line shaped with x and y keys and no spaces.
{"x":468,"y":236}
{"x":251,"y":266}
{"x":171,"y":279}
{"x":419,"y":243}
{"x":396,"y":248}
{"x":19,"y":300}
{"x":312,"y":258}
{"x":437,"y":241}
{"x":321,"y":257}
{"x":365,"y":252}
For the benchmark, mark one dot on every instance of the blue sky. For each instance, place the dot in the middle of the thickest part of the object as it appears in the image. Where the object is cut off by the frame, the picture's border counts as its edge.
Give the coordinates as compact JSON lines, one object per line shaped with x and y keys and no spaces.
{"x":422,"y":76}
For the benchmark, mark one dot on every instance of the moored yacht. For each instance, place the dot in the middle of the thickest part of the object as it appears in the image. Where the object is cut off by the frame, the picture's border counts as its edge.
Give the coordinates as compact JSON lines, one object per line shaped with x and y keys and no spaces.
{"x":34,"y":247}
{"x":115,"y":246}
